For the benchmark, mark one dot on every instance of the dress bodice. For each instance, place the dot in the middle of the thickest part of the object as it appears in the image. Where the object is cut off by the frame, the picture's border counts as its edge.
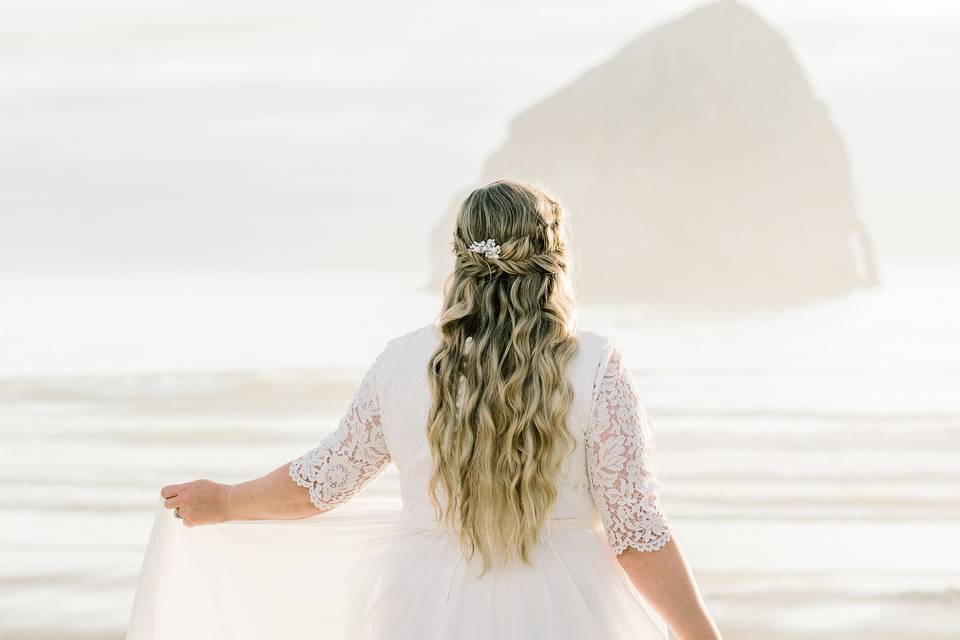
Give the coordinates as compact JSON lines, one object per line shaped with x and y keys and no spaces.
{"x":609,"y":476}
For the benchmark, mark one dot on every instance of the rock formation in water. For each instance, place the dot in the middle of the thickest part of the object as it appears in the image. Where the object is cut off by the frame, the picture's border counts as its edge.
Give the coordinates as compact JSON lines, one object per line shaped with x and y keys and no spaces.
{"x":698,"y":167}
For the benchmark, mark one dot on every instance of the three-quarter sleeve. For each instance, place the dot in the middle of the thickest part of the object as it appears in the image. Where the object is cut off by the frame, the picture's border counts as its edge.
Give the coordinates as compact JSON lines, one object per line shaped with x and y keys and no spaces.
{"x":351,"y":456}
{"x":619,"y":445}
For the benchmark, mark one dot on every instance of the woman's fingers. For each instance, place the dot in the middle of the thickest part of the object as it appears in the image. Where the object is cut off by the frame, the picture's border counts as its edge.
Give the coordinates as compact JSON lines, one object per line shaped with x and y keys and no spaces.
{"x":198,"y":502}
{"x":170,"y":490}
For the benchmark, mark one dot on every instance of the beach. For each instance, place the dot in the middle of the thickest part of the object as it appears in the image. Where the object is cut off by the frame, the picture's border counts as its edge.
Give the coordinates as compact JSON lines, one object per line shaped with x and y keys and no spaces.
{"x":807,"y":458}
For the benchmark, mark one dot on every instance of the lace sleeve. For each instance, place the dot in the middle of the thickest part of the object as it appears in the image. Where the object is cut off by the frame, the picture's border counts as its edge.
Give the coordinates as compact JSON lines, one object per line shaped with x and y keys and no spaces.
{"x":622,"y":479}
{"x":351,"y":456}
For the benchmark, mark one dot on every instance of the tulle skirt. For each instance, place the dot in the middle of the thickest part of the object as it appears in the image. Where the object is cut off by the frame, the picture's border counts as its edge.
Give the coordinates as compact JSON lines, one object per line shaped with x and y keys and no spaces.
{"x":369,"y":575}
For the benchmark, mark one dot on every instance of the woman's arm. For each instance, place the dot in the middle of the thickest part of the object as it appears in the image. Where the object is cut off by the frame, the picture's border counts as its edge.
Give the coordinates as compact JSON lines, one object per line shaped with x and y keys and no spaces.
{"x":350,"y":457}
{"x":274,"y":496}
{"x":664,"y":579}
{"x":624,"y":488}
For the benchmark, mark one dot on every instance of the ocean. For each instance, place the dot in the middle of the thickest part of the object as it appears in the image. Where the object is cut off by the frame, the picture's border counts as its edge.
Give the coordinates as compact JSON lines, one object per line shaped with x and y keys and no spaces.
{"x":809,"y":458}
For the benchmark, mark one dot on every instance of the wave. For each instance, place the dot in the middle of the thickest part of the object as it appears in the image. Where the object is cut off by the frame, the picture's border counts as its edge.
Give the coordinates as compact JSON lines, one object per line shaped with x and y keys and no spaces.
{"x":291,"y":391}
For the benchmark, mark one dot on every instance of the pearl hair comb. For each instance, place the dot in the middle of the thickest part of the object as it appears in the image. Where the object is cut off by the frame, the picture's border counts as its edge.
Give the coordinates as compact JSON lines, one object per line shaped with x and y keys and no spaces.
{"x":488,"y":248}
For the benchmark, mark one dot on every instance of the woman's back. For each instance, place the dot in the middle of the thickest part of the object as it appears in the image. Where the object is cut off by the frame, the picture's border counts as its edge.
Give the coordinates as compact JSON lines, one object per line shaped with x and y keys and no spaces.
{"x":607,"y":475}
{"x":572,"y":587}
{"x":405,"y":401}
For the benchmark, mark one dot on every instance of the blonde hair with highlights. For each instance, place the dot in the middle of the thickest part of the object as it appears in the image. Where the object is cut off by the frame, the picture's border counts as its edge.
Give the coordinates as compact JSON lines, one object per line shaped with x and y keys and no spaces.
{"x":498,"y":421}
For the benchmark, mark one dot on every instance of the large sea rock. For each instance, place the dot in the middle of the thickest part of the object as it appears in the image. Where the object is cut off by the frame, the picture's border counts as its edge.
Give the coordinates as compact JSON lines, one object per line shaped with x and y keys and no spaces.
{"x":699,"y":167}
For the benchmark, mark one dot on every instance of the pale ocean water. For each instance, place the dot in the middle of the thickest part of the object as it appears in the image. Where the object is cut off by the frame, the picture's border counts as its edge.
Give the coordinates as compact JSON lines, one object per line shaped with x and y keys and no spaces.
{"x":809,"y":459}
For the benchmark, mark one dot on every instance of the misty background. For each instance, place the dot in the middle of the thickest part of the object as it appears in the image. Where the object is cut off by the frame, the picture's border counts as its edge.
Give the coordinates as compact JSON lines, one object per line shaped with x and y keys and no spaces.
{"x":214,"y":215}
{"x":173,"y":135}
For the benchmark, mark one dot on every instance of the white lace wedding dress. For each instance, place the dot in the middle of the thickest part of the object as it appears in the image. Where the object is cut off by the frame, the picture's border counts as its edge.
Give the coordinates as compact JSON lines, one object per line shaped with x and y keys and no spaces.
{"x":364,"y":574}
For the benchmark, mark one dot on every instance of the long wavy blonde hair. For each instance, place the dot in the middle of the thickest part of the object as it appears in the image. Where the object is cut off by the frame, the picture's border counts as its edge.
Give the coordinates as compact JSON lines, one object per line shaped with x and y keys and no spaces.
{"x":498,"y":422}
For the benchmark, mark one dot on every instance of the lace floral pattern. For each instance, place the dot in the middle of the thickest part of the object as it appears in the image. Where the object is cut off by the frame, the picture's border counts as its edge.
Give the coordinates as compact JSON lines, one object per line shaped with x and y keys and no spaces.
{"x":622,"y":480}
{"x":351,"y":456}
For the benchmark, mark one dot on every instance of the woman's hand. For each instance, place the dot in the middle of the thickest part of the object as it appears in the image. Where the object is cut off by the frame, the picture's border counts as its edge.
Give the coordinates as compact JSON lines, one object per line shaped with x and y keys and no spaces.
{"x":274,"y":496}
{"x":198,"y":502}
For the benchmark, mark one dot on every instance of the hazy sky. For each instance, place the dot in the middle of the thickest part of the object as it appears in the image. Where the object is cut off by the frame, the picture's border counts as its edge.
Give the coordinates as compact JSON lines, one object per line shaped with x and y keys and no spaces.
{"x":154,"y":135}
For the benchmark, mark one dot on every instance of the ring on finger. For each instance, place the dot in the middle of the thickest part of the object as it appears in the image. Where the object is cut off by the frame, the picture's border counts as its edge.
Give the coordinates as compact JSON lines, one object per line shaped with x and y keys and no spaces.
{"x":176,"y":513}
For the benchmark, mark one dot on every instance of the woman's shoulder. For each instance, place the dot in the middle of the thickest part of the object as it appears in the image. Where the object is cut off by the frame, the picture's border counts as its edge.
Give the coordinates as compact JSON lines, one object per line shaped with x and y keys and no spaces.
{"x":594,"y":349}
{"x":594,"y":339}
{"x":415,"y":334}
{"x":411,"y":342}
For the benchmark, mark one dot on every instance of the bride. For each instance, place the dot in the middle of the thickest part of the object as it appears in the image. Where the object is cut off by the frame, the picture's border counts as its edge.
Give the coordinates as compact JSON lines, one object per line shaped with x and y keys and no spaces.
{"x":529,"y":504}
